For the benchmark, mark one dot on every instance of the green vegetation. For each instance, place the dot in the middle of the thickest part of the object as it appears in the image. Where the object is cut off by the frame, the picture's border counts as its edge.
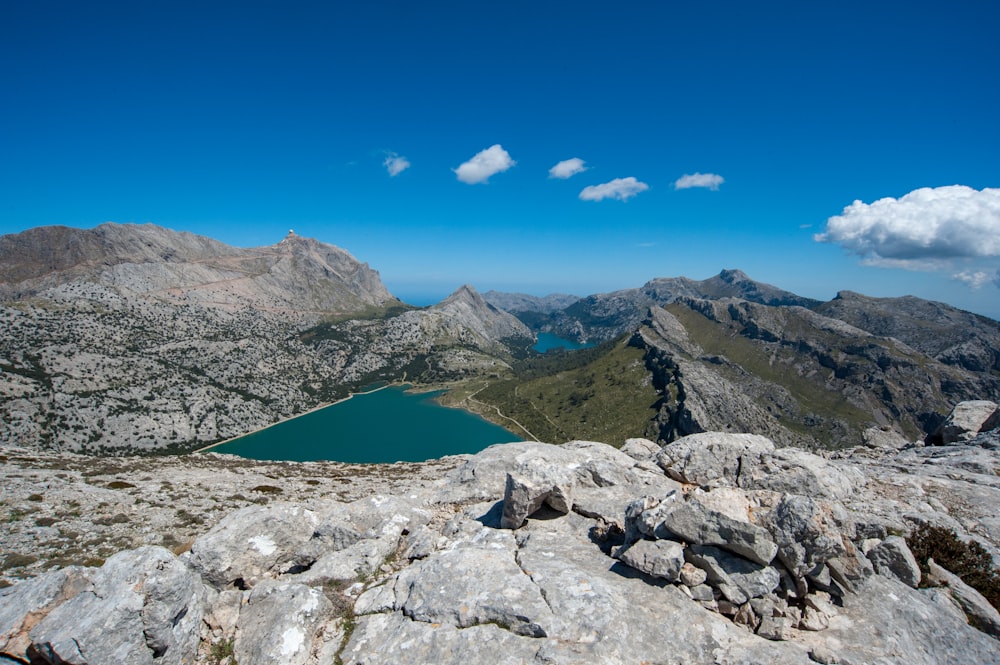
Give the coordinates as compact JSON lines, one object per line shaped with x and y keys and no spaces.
{"x":221,"y":650}
{"x":602,"y":393}
{"x":970,"y":561}
{"x":329,"y":330}
{"x":774,"y":366}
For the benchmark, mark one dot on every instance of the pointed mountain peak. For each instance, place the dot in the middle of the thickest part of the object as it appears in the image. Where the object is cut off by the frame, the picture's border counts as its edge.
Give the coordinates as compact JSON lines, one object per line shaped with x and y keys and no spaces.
{"x":734,"y":276}
{"x":465,"y":293}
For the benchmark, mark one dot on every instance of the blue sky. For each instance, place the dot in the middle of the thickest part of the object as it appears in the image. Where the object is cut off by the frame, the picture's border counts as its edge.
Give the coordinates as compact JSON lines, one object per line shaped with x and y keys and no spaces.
{"x":243,"y":120}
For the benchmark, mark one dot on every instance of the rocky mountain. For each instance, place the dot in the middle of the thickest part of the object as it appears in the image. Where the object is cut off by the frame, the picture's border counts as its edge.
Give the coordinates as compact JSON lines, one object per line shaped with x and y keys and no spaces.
{"x":134,"y":337}
{"x":517,"y":303}
{"x":730,"y":354}
{"x":297,"y":276}
{"x":130,"y":337}
{"x":792,"y":374}
{"x":739,"y":551}
{"x":467,"y":316}
{"x":460,"y":336}
{"x":605,"y":316}
{"x":941,"y":331}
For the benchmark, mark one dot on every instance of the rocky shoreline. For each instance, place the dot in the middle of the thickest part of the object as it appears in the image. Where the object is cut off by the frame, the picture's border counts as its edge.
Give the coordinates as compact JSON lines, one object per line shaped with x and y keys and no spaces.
{"x":718,"y":548}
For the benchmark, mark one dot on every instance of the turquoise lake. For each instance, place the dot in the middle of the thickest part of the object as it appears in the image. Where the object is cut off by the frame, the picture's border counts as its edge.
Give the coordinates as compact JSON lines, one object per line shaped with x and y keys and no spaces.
{"x":550,"y":342}
{"x":387,"y":425}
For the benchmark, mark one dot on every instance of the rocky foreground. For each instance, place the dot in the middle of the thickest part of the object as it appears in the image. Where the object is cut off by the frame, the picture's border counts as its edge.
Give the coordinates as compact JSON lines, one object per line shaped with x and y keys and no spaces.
{"x":718,"y":548}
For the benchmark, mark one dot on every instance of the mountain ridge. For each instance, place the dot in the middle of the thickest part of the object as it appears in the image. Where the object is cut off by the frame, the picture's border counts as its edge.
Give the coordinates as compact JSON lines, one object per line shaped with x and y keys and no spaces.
{"x":184,"y":267}
{"x":176,"y":341}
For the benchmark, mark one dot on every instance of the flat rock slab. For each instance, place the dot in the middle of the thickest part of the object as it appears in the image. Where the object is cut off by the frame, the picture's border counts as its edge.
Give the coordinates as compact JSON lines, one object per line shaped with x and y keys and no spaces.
{"x":694,"y":523}
{"x":279,"y":623}
{"x":714,"y":458}
{"x":144,"y":607}
{"x":252,"y":542}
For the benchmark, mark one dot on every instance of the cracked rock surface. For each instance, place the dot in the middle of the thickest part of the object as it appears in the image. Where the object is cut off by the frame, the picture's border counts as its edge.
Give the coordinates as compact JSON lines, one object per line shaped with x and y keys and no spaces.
{"x":421,"y":570}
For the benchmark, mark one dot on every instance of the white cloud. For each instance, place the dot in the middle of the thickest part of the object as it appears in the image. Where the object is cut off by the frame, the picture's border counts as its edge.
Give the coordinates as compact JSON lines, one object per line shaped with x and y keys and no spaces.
{"x":976,"y":279}
{"x":706,"y":180}
{"x":619,"y":188}
{"x":485,"y":163}
{"x":928,"y":225}
{"x":395,"y":164}
{"x":567,"y":168}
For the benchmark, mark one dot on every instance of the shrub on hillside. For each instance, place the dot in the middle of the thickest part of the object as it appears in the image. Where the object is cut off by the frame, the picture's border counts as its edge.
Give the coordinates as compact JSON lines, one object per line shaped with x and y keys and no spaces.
{"x":969,"y":560}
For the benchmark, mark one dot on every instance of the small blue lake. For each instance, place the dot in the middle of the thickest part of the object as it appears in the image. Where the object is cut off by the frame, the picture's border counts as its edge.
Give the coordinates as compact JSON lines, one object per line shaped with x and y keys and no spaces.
{"x":386,"y":425}
{"x":549,"y":342}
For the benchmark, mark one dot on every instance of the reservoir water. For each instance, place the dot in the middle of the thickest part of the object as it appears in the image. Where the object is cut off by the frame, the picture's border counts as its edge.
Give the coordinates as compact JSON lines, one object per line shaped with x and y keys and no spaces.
{"x":549,"y":342}
{"x":386,"y":425}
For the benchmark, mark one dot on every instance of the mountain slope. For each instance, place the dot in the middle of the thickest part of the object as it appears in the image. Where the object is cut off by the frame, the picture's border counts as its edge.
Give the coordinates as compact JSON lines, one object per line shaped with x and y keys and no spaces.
{"x":297,"y":275}
{"x":461,"y":335}
{"x":605,"y":316}
{"x":792,"y":374}
{"x":941,"y":331}
{"x":128,"y":338}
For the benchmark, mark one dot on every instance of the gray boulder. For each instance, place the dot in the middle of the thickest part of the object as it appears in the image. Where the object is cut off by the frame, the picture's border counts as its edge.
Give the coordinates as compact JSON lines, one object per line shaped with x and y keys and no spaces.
{"x":353,"y":540}
{"x":21,"y":606}
{"x":893,"y":558}
{"x":656,"y":558}
{"x":279,"y":623}
{"x":394,"y":639}
{"x":644,"y":516}
{"x":144,"y":607}
{"x":531,"y":488}
{"x":738,"y":579}
{"x":851,"y":569}
{"x":714,"y":458}
{"x":795,"y":471}
{"x":806,"y":533}
{"x":640,"y":449}
{"x":251,"y":543}
{"x":469,"y":586}
{"x":884,"y":438}
{"x":968,"y":419}
{"x":696,"y":524}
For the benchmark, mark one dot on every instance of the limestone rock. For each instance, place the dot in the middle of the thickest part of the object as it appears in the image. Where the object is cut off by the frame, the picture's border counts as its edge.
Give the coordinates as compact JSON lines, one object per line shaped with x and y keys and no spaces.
{"x":713,"y":458}
{"x":805,"y":532}
{"x":640,"y":449}
{"x":692,"y":576}
{"x":448,"y":587}
{"x":980,"y":613}
{"x":892,"y":557}
{"x":393,"y":639}
{"x":968,"y":419}
{"x":794,"y":471}
{"x":657,"y":558}
{"x":694,"y":523}
{"x":879,"y":437}
{"x":644,"y":516}
{"x":279,"y":623}
{"x":145,"y":606}
{"x":531,"y":488}
{"x":22,"y":606}
{"x":737,"y":578}
{"x":443,"y":583}
{"x":251,"y":542}
{"x":850,"y":569}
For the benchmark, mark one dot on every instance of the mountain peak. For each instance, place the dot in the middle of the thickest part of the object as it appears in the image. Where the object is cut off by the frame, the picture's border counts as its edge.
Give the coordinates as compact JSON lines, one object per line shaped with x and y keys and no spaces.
{"x":731,"y":276}
{"x":298,"y":274}
{"x":465,"y":293}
